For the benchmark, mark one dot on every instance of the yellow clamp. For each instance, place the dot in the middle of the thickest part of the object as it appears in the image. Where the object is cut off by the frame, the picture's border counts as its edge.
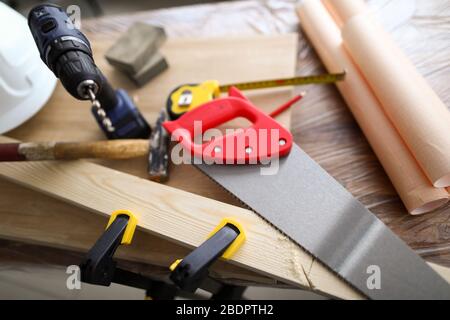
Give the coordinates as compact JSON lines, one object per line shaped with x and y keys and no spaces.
{"x":231,"y":250}
{"x":188,"y":97}
{"x":131,"y":225}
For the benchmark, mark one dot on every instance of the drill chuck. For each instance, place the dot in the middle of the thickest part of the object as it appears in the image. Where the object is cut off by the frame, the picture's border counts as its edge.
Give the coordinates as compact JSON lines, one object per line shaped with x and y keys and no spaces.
{"x":67,"y":52}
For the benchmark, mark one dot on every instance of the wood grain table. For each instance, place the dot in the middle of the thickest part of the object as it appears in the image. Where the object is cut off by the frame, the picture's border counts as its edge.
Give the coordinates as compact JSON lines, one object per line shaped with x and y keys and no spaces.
{"x":323,"y":126}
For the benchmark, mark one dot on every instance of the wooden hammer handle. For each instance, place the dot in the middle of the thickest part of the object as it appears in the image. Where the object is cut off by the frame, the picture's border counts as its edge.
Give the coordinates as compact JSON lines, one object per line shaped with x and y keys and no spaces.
{"x":110,"y":149}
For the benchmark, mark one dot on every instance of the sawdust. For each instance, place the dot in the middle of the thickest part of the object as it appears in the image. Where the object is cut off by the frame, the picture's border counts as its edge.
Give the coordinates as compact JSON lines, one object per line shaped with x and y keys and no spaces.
{"x":293,"y":261}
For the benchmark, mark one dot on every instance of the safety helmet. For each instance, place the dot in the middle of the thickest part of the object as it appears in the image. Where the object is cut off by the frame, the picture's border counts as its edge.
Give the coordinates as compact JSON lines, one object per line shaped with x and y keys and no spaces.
{"x":25,"y":81}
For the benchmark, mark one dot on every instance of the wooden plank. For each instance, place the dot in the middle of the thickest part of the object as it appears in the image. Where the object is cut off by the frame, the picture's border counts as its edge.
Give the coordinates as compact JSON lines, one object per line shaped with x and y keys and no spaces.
{"x":178,"y":216}
{"x":42,"y":220}
{"x":170,"y":213}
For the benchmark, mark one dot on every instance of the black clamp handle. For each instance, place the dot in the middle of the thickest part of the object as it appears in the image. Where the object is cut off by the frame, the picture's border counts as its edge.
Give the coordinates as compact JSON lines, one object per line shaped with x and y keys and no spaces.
{"x":99,"y":266}
{"x":225,"y":240}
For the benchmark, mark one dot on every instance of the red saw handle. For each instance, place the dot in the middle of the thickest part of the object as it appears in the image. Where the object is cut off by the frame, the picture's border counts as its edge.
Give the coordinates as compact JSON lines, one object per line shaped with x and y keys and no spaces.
{"x":264,"y":140}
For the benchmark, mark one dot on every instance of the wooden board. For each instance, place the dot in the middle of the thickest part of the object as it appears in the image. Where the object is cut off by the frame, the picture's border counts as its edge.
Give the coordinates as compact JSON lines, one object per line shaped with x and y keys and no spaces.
{"x":171,"y":214}
{"x":46,"y":221}
{"x":168,"y":213}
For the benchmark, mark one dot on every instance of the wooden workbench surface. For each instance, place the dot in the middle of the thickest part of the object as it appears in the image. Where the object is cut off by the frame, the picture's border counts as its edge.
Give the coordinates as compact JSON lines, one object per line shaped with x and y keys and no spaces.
{"x":323,"y":126}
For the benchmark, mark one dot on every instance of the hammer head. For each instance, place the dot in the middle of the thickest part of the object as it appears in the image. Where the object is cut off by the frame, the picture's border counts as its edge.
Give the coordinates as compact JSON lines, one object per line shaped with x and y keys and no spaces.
{"x":158,"y":157}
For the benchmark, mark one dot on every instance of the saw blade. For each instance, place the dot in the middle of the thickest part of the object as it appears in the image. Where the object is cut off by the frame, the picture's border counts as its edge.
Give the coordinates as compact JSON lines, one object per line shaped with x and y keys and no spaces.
{"x":309,"y":206}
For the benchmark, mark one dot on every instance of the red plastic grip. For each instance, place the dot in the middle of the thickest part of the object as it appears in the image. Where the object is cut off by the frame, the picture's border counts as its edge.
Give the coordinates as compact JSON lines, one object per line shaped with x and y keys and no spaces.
{"x":263,"y":140}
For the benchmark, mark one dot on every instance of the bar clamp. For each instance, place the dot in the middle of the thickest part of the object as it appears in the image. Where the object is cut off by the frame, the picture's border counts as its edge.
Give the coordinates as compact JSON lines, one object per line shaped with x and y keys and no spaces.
{"x":224,"y":241}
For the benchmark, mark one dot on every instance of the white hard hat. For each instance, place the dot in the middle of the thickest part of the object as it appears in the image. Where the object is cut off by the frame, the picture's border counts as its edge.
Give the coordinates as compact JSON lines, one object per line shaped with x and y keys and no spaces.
{"x":25,"y":81}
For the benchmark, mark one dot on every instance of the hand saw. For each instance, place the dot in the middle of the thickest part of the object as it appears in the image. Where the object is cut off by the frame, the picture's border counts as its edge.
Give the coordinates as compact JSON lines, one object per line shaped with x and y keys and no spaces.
{"x":305,"y":203}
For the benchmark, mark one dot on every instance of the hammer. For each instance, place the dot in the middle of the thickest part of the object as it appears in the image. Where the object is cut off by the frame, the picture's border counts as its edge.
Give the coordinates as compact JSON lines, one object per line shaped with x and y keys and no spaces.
{"x":156,"y":149}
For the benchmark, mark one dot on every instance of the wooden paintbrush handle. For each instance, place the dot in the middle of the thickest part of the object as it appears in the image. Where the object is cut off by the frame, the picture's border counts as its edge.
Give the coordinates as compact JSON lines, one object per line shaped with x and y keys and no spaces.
{"x":110,"y":149}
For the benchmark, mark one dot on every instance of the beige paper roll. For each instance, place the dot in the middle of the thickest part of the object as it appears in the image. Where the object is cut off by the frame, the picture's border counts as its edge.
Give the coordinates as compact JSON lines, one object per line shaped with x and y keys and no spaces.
{"x":342,"y":10}
{"x":408,"y":179}
{"x":420,"y":117}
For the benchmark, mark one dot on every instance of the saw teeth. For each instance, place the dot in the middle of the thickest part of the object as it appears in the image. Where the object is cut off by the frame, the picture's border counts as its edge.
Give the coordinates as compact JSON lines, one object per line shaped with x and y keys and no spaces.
{"x":246,"y":206}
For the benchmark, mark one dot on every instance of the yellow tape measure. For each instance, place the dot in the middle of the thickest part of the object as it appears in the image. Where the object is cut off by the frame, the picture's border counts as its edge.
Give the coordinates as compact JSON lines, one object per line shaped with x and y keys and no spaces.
{"x":190,"y":96}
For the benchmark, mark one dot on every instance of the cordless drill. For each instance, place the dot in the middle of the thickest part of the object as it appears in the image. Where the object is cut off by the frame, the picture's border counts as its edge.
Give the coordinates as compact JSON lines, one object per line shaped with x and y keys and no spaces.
{"x":67,"y":52}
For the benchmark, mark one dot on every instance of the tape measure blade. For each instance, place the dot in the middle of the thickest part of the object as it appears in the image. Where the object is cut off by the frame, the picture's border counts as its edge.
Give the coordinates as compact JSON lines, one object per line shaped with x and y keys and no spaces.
{"x":317,"y":79}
